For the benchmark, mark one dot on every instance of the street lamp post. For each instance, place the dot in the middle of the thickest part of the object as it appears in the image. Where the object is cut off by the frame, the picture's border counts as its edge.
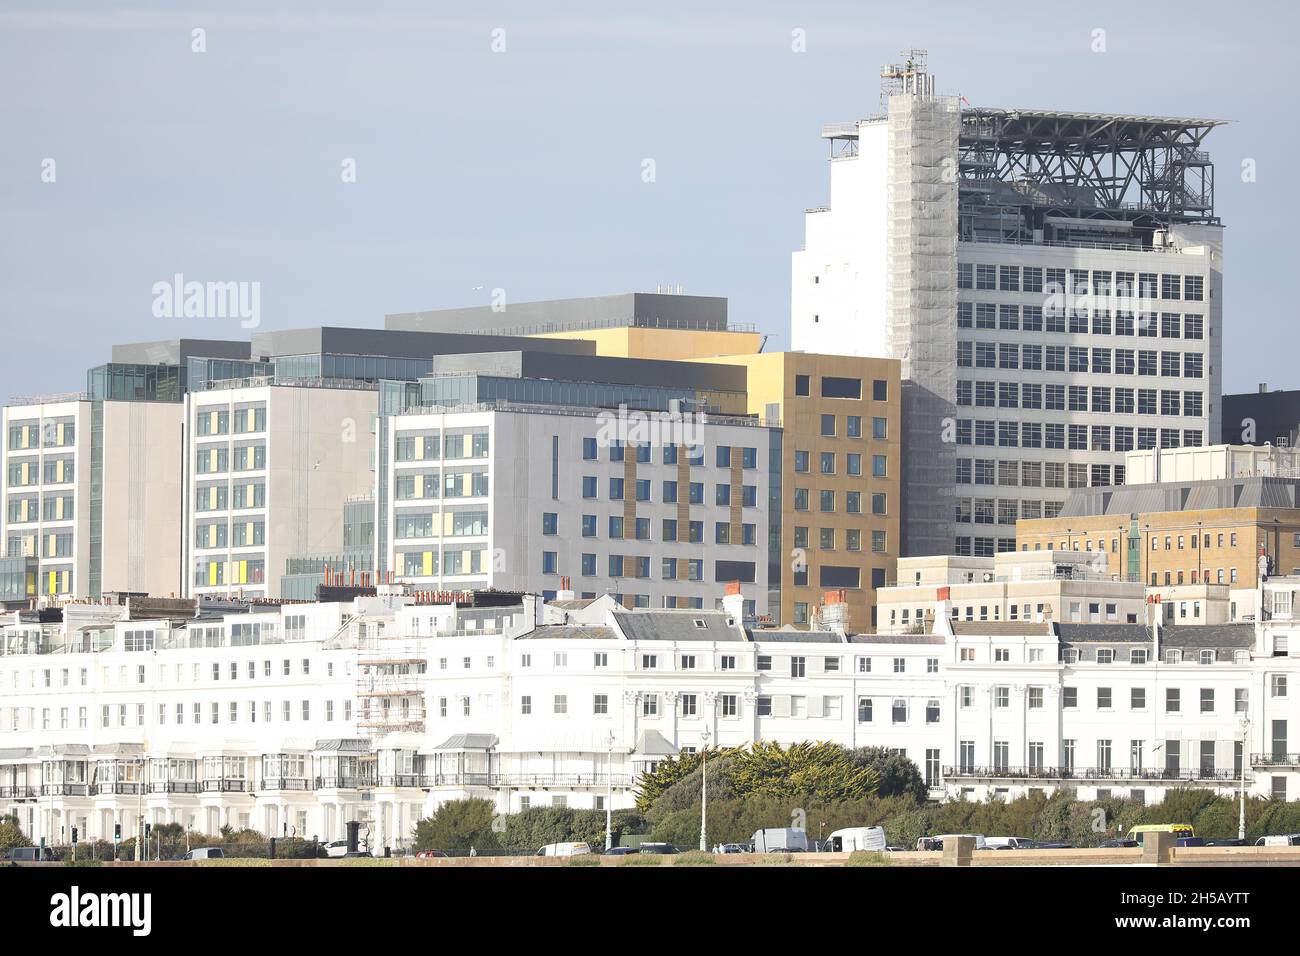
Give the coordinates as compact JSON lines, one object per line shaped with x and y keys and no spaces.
{"x":609,"y":794}
{"x":704,"y":794}
{"x":1245,"y":752}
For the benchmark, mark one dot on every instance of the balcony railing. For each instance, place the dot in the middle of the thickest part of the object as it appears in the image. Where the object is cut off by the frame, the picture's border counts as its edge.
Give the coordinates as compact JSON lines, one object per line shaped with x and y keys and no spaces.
{"x":1275,"y":760}
{"x":119,"y":787}
{"x":403,"y":780}
{"x":18,"y":793}
{"x":284,"y":783}
{"x":224,"y":785}
{"x":342,"y":783}
{"x":1090,"y":773}
{"x":575,"y":780}
{"x":65,"y":790}
{"x":174,"y":786}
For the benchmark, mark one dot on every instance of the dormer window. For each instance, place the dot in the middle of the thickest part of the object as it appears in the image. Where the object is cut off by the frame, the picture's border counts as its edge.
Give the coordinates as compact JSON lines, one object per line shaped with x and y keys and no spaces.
{"x":699,"y":622}
{"x":1208,"y":656}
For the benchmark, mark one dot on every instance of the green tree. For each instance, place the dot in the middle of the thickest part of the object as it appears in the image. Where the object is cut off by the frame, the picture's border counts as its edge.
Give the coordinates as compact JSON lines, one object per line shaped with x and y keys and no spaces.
{"x":11,"y":834}
{"x":458,"y":825}
{"x":898,"y":776}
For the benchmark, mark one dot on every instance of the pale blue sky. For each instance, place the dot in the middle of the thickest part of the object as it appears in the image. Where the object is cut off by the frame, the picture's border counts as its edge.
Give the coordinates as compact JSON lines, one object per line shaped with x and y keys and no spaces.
{"x":522,"y":170}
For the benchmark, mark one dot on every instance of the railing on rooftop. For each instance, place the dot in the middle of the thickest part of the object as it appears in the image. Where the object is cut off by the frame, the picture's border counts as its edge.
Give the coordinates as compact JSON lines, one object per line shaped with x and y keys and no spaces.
{"x":579,"y":411}
{"x":1091,"y":773}
{"x":261,"y":381}
{"x":618,"y":322}
{"x":50,"y":399}
{"x":1070,"y":244}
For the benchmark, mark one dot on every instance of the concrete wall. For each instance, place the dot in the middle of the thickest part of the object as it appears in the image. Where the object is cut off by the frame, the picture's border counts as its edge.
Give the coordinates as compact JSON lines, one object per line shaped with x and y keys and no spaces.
{"x":144,"y":494}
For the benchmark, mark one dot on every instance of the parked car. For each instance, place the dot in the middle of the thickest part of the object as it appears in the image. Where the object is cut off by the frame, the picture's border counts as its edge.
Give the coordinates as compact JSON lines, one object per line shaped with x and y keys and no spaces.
{"x":1048,"y":845}
{"x":730,"y":848}
{"x":1191,"y":841}
{"x":205,"y":853}
{"x":1226,"y":841}
{"x":355,"y":854}
{"x":622,"y":850}
{"x":431,"y":855}
{"x":337,"y":848}
{"x":1118,"y":844}
{"x":564,"y":849}
{"x":29,"y":854}
{"x":663,"y":848}
{"x":1008,"y":843}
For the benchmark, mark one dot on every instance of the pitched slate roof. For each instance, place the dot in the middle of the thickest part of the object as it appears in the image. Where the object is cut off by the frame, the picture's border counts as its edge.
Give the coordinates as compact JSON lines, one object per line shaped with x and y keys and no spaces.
{"x":1236,"y":636}
{"x":791,"y":636}
{"x":1104,"y":633}
{"x":1001,"y":628}
{"x":673,"y":625}
{"x":896,"y":639}
{"x":468,"y":742}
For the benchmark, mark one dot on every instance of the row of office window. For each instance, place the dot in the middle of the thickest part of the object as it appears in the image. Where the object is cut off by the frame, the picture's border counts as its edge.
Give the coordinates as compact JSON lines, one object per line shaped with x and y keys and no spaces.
{"x":828,"y":539}
{"x":52,"y":470}
{"x":833,"y":386}
{"x":50,"y":506}
{"x":245,"y":420}
{"x":1099,"y":283}
{"x":1081,"y":398}
{"x":1080,"y":321}
{"x":50,"y":433}
{"x":1080,"y":359}
{"x":643,"y":453}
{"x":669,"y":491}
{"x":228,"y":496}
{"x":218,"y":459}
{"x":432,"y":446}
{"x":1062,"y":435}
{"x":827,"y":464}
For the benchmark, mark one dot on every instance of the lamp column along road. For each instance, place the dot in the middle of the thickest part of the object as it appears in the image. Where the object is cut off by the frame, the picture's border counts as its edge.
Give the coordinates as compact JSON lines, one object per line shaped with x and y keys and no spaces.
{"x":1245,"y":754}
{"x":609,"y":794}
{"x":704,"y":794}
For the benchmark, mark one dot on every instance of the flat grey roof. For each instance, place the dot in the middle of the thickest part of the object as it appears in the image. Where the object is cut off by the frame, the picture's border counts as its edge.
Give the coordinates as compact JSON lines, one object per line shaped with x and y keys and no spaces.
{"x":562,"y":632}
{"x":642,"y":309}
{"x":397,"y":343}
{"x":1126,"y":500}
{"x":177,"y":351}
{"x":553,"y":364}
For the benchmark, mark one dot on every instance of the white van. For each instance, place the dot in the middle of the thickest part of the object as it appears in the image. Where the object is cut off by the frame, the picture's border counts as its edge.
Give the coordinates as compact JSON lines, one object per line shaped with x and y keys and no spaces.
{"x":564,"y":849}
{"x":206,"y":853}
{"x":856,"y":838}
{"x":980,"y":842}
{"x":1007,"y":843}
{"x":1286,"y":839}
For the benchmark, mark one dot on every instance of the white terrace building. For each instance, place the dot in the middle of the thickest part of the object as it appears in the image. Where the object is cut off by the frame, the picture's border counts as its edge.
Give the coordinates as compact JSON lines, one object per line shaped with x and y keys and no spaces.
{"x":295,"y":719}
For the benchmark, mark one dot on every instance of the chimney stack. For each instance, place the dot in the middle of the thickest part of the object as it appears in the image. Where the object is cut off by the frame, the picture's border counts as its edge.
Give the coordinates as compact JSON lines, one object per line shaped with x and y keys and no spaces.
{"x":733,"y":602}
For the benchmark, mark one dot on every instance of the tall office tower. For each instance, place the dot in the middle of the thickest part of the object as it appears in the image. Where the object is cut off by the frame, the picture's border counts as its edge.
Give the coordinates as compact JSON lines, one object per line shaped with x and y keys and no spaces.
{"x":268,"y":470}
{"x":46,"y":489}
{"x":1014,"y":261}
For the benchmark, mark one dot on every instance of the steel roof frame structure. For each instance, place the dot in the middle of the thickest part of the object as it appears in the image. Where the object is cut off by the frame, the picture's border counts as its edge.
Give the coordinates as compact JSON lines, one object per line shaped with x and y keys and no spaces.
{"x":1135,"y":165}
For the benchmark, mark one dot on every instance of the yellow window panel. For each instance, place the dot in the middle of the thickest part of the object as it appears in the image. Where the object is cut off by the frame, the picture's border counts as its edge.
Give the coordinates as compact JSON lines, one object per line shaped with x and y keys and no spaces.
{"x":428,"y":564}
